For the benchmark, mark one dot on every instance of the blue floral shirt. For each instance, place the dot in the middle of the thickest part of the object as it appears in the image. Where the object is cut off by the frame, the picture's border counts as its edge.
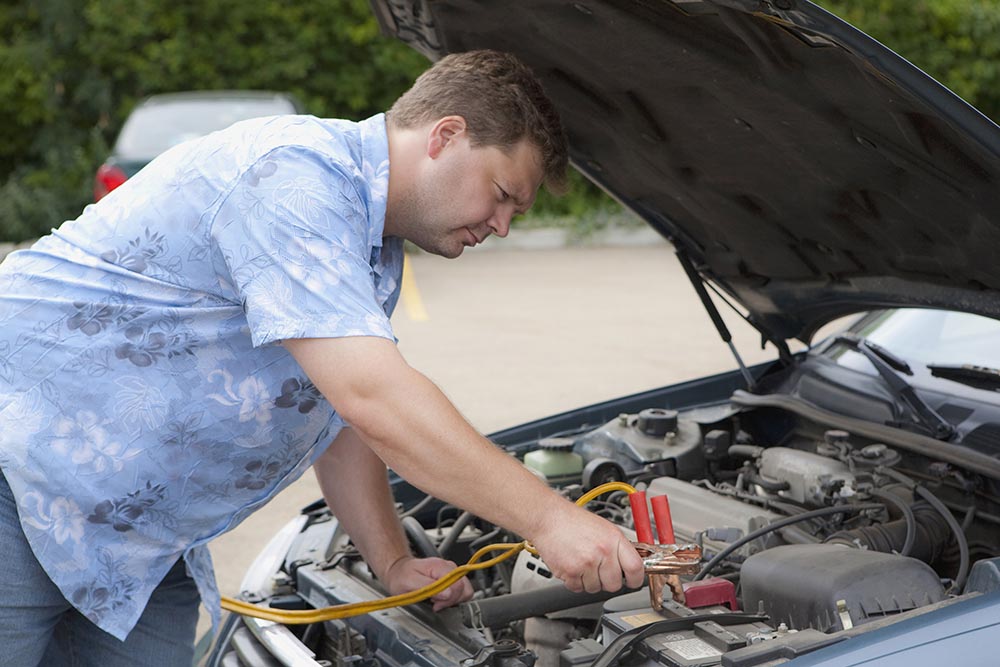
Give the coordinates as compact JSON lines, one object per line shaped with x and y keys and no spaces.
{"x":144,"y":408}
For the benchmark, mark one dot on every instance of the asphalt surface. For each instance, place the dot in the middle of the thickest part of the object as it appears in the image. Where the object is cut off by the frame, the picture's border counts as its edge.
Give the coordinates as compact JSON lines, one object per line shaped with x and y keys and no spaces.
{"x":513,"y":335}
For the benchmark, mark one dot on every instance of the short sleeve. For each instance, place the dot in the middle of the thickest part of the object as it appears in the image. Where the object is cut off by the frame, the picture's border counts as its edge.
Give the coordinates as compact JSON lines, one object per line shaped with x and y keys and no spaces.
{"x":294,"y":240}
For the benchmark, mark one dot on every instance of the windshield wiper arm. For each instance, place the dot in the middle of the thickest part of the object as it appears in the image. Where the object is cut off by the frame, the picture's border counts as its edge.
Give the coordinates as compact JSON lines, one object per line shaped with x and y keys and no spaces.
{"x":885,"y":355}
{"x":981,"y":377}
{"x":887,"y":364}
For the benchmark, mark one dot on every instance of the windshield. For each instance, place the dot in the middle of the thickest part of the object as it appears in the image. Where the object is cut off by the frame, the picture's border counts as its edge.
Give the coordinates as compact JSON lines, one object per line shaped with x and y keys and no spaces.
{"x":922,"y":336}
{"x":152,"y":129}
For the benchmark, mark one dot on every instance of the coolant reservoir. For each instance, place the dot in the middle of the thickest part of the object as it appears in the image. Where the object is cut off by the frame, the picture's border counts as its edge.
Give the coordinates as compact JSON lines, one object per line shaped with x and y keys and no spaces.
{"x":554,"y":458}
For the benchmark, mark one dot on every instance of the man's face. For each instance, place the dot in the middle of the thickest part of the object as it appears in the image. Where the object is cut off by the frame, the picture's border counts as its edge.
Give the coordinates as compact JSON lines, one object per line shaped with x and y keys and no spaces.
{"x":466,"y":193}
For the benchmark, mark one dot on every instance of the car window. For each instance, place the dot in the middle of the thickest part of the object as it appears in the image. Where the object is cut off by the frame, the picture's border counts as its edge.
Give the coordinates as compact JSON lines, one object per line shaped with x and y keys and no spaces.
{"x":925,"y":336}
{"x":152,"y":129}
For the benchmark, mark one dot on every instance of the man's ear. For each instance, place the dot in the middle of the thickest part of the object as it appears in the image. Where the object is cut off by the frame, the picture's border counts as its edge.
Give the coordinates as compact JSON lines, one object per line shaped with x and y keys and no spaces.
{"x":444,"y":132}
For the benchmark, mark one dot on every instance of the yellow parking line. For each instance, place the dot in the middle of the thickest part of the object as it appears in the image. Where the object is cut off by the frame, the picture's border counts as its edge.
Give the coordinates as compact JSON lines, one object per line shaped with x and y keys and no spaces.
{"x":410,"y":295}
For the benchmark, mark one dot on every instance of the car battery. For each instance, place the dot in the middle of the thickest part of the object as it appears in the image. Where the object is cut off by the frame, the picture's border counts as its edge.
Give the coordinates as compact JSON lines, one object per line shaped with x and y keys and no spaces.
{"x":700,"y":643}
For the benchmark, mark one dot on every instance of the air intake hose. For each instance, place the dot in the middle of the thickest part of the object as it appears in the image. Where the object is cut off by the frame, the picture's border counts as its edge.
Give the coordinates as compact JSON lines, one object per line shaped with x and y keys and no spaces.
{"x":932,"y":535}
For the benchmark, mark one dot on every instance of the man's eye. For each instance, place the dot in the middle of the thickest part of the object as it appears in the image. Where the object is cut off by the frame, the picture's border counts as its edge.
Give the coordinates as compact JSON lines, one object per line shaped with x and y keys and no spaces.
{"x":503,"y":194}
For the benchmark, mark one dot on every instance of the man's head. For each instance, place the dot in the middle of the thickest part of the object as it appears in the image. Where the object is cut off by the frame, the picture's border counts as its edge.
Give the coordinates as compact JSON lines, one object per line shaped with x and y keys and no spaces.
{"x":470,"y":143}
{"x":500,"y":99}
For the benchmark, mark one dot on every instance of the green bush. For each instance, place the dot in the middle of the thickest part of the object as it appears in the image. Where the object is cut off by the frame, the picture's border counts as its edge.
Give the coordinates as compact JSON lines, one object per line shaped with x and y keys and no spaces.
{"x":955,"y":41}
{"x":73,"y":69}
{"x":36,"y":198}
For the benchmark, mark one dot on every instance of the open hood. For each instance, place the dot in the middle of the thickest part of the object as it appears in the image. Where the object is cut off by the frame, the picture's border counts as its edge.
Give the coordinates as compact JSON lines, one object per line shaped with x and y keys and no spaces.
{"x":801,"y":166}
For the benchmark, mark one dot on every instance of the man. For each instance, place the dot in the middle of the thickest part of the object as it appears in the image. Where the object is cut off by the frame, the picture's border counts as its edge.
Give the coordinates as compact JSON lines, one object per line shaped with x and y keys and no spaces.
{"x":190,"y":345}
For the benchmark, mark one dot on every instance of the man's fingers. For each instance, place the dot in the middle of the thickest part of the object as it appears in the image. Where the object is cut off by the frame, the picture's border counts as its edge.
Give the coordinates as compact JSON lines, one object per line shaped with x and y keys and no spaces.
{"x":631,"y":565}
{"x":592,"y":580}
{"x":590,"y":554}
{"x":435,"y":568}
{"x":574,"y":582}
{"x":604,"y":578}
{"x":460,"y":591}
{"x":611,"y":574}
{"x":410,"y":573}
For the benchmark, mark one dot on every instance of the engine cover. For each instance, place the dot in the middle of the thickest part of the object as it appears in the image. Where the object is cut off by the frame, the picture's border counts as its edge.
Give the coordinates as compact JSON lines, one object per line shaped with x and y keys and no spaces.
{"x":802,"y":584}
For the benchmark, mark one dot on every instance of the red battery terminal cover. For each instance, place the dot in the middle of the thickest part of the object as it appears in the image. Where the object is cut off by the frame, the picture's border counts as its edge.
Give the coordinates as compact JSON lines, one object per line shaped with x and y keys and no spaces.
{"x":710,"y":592}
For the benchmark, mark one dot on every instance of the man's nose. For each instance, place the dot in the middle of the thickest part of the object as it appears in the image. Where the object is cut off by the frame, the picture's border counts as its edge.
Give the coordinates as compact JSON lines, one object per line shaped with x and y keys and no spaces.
{"x":499,"y":224}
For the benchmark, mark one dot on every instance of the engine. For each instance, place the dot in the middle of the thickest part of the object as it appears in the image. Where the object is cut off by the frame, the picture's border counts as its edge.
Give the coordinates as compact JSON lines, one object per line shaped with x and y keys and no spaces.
{"x":809,"y":537}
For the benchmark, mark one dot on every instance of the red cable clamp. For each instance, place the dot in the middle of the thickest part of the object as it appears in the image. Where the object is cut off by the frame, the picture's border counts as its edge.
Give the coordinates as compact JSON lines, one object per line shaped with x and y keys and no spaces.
{"x":640,"y":517}
{"x":664,"y":524}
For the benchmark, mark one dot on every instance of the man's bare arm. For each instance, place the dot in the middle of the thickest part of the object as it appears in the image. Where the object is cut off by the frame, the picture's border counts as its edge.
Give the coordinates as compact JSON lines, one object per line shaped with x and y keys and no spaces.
{"x":354,"y":482}
{"x":413,"y":427}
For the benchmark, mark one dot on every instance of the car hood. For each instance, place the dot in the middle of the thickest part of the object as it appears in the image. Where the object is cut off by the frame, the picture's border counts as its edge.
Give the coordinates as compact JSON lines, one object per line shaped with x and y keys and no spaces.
{"x":804,"y":168}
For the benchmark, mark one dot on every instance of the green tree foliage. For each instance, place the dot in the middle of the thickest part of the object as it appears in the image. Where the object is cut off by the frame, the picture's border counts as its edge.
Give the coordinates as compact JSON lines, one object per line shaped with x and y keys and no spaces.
{"x":73,"y":69}
{"x":955,"y":41}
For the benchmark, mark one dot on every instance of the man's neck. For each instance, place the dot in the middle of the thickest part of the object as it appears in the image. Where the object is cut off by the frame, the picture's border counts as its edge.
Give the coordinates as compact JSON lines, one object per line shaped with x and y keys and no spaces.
{"x":405,"y":149}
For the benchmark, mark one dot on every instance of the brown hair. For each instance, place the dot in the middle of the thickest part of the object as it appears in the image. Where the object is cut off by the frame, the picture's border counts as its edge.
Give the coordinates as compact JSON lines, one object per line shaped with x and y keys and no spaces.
{"x":500,"y":99}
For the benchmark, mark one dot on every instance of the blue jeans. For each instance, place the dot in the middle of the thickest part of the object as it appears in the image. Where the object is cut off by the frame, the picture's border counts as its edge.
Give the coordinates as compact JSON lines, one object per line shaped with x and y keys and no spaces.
{"x":39,"y":627}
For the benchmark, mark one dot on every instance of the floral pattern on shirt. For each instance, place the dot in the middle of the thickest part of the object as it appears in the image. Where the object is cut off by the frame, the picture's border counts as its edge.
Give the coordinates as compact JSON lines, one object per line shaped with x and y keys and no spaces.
{"x":144,"y":408}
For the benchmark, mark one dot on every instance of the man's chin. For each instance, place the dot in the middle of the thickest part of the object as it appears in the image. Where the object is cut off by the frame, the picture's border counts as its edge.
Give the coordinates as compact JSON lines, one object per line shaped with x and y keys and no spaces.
{"x":448,"y":252}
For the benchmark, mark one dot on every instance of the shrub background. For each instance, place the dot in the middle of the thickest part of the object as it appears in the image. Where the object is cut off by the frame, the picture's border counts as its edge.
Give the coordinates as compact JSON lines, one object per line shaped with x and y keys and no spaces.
{"x":73,"y":69}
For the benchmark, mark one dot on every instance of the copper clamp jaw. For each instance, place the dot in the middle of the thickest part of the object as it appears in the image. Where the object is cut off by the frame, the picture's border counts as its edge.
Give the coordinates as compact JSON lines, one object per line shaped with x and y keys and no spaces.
{"x":664,"y":563}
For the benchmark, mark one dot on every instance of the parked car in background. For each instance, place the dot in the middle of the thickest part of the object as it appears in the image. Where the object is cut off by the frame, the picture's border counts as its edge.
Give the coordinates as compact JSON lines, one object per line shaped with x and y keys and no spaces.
{"x":846,"y":498}
{"x":160,"y":122}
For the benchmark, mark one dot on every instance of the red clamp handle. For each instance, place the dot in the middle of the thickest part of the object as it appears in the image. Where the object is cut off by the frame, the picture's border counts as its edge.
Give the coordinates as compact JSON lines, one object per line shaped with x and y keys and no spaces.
{"x":664,"y":524}
{"x":640,"y":517}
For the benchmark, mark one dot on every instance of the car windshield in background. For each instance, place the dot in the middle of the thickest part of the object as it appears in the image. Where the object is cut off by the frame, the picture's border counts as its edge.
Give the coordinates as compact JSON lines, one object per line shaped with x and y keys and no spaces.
{"x":922,"y":336}
{"x":150,"y":130}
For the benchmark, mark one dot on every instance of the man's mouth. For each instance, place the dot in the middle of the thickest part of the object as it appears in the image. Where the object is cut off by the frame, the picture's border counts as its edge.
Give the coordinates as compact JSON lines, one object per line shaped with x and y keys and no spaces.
{"x":473,"y":239}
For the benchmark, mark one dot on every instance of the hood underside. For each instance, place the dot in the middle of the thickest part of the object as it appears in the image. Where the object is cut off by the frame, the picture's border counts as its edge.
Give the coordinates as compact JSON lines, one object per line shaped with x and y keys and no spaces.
{"x":801,"y":166}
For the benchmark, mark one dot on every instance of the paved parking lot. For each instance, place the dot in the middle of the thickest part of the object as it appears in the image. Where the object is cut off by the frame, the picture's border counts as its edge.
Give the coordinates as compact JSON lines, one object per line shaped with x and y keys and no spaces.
{"x":511,"y":335}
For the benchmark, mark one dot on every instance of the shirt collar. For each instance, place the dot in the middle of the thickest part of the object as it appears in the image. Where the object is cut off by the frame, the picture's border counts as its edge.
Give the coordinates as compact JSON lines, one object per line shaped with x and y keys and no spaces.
{"x":375,"y":168}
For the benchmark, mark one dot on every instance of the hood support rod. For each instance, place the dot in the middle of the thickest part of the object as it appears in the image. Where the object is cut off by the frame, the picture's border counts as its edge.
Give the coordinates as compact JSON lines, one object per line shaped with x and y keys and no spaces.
{"x":713,"y":312}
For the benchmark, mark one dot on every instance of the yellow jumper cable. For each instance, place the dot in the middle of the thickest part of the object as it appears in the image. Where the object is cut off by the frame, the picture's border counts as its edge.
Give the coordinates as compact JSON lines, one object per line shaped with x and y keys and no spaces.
{"x":508,"y":549}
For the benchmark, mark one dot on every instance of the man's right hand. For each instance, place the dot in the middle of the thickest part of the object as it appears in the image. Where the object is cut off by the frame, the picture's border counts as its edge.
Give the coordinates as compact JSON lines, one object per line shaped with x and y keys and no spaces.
{"x":586,"y":552}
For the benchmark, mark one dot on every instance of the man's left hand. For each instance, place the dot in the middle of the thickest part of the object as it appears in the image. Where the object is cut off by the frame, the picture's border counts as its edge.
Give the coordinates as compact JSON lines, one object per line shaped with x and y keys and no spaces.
{"x":410,"y":573}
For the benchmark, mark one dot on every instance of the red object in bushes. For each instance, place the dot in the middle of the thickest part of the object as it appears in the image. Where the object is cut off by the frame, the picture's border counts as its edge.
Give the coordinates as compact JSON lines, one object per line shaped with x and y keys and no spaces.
{"x":107,"y":179}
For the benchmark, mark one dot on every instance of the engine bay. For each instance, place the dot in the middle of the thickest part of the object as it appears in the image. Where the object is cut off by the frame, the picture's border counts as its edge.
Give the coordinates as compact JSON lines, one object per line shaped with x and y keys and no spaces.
{"x":810,"y":535}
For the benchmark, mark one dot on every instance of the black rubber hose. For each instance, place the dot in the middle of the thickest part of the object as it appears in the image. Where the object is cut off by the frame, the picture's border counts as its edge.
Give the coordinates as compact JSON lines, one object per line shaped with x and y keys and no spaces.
{"x":417,"y":534}
{"x":767,"y":485}
{"x":483,"y":540}
{"x":499,"y":611}
{"x":781,"y":523}
{"x":911,"y":522}
{"x":745,"y":451}
{"x":932,"y":536}
{"x":456,"y":530}
{"x":963,"y":543}
{"x":424,"y":502}
{"x":935,"y":502}
{"x":795,"y":535}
